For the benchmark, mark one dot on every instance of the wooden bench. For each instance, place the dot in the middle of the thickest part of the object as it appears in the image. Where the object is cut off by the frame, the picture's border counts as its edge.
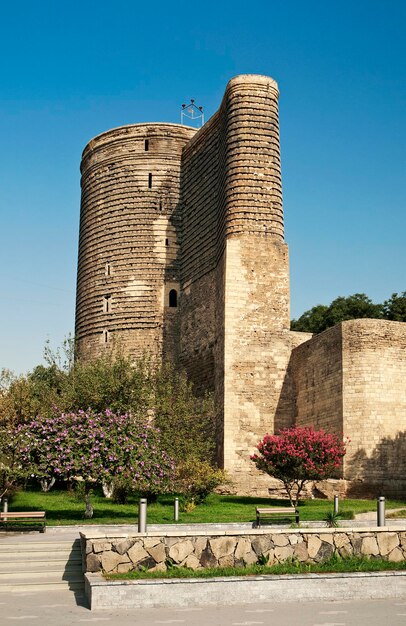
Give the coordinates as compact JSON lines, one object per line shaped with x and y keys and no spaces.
{"x":15,"y":518}
{"x":280,"y":512}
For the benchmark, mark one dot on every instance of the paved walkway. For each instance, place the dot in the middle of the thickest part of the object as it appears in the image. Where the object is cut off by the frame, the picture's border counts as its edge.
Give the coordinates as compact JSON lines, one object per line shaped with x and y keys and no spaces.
{"x":63,"y":608}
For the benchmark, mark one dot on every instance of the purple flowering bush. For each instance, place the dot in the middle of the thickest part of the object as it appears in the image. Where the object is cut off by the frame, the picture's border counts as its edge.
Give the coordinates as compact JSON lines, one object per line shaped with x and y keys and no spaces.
{"x":95,"y":448}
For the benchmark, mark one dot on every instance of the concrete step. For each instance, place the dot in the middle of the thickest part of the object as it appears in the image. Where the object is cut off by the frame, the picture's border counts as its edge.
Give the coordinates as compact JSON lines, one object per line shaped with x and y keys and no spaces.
{"x":47,"y":576}
{"x":38,"y":566}
{"x":23,"y":557}
{"x":30,"y":586}
{"x":40,"y":546}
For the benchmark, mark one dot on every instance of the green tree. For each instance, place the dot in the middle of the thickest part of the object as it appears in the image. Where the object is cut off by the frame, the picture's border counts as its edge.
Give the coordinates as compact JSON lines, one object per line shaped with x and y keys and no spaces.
{"x":298,"y":455}
{"x":91,"y":448}
{"x":139,"y":388}
{"x":395,"y":307}
{"x":342,"y":308}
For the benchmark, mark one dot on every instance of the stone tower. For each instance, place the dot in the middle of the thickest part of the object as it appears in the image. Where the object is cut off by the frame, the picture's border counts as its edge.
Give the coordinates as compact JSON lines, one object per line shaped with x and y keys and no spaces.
{"x":235,"y":320}
{"x":182,"y":255}
{"x":128,"y":273}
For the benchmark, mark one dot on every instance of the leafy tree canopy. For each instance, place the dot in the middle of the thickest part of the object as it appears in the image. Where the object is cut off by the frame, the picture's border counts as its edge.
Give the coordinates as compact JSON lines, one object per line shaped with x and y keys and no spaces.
{"x":297,"y":455}
{"x":115,"y":382}
{"x":352,"y":307}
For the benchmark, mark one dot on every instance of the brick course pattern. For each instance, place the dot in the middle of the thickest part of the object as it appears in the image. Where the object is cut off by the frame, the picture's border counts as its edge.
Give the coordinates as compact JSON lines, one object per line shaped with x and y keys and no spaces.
{"x":170,"y":210}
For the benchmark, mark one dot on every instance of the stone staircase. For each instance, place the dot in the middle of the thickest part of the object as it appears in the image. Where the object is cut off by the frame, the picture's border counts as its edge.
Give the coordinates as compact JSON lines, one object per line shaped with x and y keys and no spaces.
{"x":40,"y":565}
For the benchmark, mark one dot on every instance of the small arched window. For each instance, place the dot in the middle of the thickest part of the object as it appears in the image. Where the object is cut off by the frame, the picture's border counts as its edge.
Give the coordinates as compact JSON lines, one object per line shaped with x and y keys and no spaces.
{"x":173,"y":298}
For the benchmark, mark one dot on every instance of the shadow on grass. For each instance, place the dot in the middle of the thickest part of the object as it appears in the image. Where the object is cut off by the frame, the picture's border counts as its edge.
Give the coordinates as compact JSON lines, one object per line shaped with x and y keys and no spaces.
{"x":253,"y":501}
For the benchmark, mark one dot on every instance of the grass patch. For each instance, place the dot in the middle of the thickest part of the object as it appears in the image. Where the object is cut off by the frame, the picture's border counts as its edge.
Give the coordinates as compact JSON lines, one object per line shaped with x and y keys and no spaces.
{"x":63,"y":508}
{"x":333,"y":565}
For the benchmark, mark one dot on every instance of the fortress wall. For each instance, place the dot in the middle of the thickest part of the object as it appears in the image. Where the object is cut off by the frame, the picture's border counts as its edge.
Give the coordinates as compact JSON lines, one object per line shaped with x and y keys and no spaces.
{"x":374,"y":383}
{"x":316,"y":367}
{"x":257,"y":344}
{"x":256,"y":356}
{"x":128,"y":242}
{"x":201,"y":254}
{"x":253,"y":184}
{"x":234,"y":266}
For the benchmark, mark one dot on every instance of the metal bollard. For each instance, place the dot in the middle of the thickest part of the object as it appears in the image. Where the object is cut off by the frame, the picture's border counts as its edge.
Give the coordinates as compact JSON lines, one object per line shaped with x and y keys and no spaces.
{"x":142,"y":515}
{"x":176,"y":510}
{"x":381,"y":511}
{"x":335,"y":505}
{"x":5,"y":507}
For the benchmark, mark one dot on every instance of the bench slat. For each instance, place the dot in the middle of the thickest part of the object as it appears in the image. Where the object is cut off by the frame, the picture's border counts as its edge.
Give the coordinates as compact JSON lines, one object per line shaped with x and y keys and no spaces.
{"x":19,"y":514}
{"x":275,"y":511}
{"x":7,"y":518}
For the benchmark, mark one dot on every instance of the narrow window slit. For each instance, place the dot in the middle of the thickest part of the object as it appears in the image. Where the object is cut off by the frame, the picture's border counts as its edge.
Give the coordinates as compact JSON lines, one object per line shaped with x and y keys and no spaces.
{"x":106,"y":304}
{"x":150,"y":180}
{"x":173,"y":298}
{"x":146,"y":145}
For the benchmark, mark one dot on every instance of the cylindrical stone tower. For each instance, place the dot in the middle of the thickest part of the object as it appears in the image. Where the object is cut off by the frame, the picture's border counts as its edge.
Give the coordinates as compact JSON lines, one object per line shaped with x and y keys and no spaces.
{"x":128,"y":282}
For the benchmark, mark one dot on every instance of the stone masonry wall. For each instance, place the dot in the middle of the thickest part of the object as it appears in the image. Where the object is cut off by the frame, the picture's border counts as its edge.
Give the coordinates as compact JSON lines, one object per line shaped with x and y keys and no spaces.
{"x":374,"y":399}
{"x":350,"y":380}
{"x":129,"y":239}
{"x":316,"y":367}
{"x":153,"y":551}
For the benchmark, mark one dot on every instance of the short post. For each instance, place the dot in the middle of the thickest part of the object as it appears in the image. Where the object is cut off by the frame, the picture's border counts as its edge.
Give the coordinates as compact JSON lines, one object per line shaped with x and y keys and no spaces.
{"x":335,"y":505}
{"x":5,"y":507}
{"x":142,"y":515}
{"x":381,"y":511}
{"x":176,"y":510}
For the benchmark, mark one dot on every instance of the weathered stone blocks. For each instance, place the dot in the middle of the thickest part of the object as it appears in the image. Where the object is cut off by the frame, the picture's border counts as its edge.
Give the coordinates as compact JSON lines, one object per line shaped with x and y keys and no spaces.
{"x":219,"y":550}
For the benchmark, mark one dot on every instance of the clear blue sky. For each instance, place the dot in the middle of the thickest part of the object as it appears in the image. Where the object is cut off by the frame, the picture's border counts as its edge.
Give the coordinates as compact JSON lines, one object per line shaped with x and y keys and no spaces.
{"x":69,"y":71}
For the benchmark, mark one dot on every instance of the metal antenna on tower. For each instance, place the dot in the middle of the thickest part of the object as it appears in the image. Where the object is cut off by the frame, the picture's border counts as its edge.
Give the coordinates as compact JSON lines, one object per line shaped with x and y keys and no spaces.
{"x":193,"y":113}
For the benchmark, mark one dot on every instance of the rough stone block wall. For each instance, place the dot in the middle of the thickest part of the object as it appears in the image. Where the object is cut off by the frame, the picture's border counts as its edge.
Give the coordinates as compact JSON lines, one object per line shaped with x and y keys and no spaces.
{"x":200,"y":550}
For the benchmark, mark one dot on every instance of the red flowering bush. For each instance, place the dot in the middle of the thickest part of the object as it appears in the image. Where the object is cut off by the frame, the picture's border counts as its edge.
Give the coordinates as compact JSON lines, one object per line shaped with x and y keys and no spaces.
{"x":93,"y":448}
{"x":298,"y":455}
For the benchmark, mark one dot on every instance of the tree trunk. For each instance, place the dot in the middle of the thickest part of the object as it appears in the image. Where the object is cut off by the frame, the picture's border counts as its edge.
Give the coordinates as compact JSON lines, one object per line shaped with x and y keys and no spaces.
{"x":47,"y":483}
{"x":108,"y":489}
{"x":89,"y":507}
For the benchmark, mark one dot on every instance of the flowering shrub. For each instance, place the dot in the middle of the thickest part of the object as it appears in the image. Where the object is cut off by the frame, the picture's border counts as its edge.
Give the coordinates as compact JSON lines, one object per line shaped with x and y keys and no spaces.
{"x":195,"y":479}
{"x":13,"y":472}
{"x":93,"y":448}
{"x":297,"y":455}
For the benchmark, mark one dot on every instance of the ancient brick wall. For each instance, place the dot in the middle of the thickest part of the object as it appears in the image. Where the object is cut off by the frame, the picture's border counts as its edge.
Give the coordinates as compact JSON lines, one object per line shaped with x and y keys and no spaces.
{"x":234,"y":267}
{"x":128,"y":243}
{"x":350,"y":380}
{"x":202,"y":211}
{"x":316,"y":367}
{"x":374,"y":399}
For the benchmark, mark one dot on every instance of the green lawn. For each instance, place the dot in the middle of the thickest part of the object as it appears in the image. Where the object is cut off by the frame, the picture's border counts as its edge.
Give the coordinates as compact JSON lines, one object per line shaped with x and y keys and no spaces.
{"x":335,"y":564}
{"x":63,"y":508}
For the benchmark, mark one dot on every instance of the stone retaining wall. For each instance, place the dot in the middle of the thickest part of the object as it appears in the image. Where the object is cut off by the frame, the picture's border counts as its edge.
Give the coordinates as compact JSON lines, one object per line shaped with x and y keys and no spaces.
{"x":223,"y":549}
